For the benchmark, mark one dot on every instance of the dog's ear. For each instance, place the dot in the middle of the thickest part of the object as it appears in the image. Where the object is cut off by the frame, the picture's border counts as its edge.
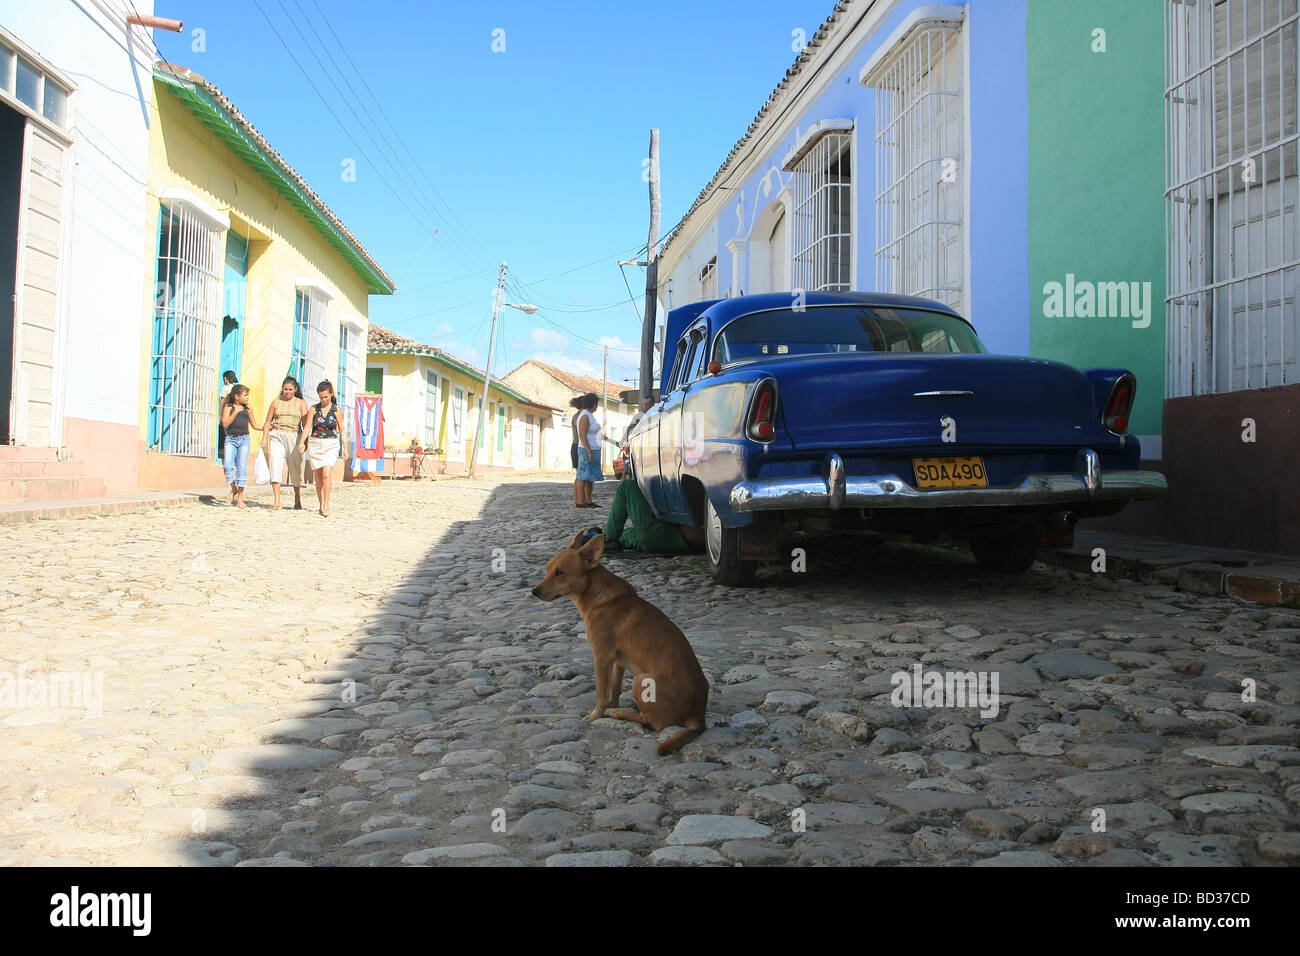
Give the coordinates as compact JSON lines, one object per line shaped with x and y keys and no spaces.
{"x":576,"y":543}
{"x":592,"y":550}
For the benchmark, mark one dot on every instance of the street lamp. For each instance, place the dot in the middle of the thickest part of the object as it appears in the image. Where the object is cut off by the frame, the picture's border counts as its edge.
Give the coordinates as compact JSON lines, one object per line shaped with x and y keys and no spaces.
{"x":528,"y":309}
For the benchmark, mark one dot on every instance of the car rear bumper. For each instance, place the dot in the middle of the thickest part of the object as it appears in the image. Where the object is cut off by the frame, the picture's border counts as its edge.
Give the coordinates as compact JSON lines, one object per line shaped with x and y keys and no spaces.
{"x":837,"y":490}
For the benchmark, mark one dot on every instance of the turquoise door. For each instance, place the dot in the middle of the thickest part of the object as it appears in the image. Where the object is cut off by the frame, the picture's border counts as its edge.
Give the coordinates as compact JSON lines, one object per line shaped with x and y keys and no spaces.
{"x":235,"y":295}
{"x":236,"y":291}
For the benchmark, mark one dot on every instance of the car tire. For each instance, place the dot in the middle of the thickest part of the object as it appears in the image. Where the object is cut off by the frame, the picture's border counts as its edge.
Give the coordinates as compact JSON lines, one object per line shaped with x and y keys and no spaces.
{"x":1010,"y":553}
{"x":722,"y":549}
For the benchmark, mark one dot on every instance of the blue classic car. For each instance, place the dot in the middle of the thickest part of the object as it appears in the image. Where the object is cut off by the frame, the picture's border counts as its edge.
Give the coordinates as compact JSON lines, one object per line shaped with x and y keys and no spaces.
{"x":883,"y":415}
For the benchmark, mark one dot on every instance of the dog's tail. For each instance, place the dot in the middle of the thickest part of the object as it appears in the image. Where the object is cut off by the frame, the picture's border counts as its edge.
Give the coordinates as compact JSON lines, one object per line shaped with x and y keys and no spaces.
{"x":694,"y":727}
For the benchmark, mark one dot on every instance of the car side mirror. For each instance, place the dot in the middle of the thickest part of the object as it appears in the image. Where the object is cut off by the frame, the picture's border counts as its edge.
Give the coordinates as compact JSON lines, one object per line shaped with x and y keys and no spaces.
{"x":715,"y":367}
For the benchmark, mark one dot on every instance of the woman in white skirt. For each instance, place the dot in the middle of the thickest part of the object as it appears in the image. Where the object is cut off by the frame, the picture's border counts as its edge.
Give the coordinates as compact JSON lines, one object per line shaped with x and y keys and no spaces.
{"x":324,"y":443}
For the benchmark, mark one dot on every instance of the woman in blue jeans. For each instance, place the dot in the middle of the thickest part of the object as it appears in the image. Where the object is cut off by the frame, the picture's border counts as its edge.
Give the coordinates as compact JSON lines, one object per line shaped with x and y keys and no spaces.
{"x":236,"y":417}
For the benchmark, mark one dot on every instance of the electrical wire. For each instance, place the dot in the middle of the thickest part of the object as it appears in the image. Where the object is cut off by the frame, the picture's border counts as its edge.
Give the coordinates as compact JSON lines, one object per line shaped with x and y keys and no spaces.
{"x":394,"y":163}
{"x":397,"y":133}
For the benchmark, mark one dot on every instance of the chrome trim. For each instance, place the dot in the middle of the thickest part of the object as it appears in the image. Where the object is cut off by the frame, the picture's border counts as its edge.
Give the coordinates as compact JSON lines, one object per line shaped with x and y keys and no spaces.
{"x":944,"y":393}
{"x":1088,"y":466}
{"x":891,"y":491}
{"x":835,"y":484}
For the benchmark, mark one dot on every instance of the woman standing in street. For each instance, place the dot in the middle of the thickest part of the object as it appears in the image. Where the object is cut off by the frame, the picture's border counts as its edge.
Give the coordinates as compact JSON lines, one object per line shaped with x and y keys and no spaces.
{"x":588,"y":451}
{"x":285,"y":420}
{"x":324,"y":443}
{"x":576,"y":404}
{"x":237,"y":417}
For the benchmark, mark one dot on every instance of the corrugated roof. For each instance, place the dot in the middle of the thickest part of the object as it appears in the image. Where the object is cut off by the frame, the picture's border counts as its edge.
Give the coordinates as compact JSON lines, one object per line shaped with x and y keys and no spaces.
{"x":805,"y":55}
{"x":220,"y":115}
{"x":577,"y":383}
{"x":384,"y":341}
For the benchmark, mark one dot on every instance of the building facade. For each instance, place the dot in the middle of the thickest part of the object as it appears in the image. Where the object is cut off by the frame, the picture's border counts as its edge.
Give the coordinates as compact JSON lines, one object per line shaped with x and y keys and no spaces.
{"x":956,"y":152}
{"x":556,"y":387}
{"x":1232,"y":414}
{"x":75,"y":100}
{"x":246,"y":270}
{"x":435,"y":399}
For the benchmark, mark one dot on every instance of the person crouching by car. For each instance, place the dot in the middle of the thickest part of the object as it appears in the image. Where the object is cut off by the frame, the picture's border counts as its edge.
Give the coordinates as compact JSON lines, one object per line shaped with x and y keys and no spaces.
{"x":647,"y":533}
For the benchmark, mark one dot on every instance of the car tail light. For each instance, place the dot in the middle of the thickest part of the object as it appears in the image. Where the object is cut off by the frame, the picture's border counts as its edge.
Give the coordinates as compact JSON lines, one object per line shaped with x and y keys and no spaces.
{"x":762,"y":413}
{"x":1115,"y":415}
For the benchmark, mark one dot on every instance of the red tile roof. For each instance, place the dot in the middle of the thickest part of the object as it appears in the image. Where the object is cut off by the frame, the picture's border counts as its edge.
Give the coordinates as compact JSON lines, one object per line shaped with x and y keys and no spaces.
{"x":380,"y":339}
{"x":580,"y":384}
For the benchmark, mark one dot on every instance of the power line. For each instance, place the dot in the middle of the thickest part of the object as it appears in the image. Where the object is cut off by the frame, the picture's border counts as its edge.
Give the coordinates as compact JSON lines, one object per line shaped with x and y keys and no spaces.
{"x":337,"y":119}
{"x":391,"y":159}
{"x":397,"y":133}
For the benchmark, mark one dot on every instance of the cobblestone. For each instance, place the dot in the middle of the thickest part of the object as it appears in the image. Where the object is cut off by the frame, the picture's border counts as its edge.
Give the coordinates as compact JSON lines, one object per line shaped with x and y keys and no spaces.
{"x":280,"y":689}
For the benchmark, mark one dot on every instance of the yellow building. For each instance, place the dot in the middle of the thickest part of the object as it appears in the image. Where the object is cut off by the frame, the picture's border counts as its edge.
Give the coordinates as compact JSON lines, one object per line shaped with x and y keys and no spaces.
{"x":434,"y":397}
{"x":247,"y":270}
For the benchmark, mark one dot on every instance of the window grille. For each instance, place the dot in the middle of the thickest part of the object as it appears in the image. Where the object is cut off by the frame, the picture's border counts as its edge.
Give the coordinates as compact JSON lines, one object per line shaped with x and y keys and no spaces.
{"x":709,"y":280}
{"x":1231,"y":195}
{"x":920,"y":246}
{"x":822,"y":217}
{"x":529,"y":424}
{"x":348,"y":385}
{"x":430,"y":408}
{"x":310,"y":341}
{"x":186,"y":339}
{"x":457,"y":414}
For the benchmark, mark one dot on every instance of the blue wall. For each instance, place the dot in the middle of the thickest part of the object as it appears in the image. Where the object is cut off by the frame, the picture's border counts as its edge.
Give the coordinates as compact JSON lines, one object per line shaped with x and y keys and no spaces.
{"x":996,"y":215}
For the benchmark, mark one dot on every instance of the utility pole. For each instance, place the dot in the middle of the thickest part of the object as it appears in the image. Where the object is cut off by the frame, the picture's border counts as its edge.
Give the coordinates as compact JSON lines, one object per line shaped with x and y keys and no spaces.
{"x":487,"y":376}
{"x":646,"y":384}
{"x":604,"y":394}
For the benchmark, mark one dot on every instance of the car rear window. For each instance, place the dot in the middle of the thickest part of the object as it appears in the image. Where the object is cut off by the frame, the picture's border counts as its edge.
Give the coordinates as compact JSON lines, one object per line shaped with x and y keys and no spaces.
{"x":823,"y":330}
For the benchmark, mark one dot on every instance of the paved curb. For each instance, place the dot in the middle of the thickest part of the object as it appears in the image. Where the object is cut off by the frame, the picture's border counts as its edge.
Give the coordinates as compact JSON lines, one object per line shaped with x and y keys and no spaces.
{"x":1267,"y":579}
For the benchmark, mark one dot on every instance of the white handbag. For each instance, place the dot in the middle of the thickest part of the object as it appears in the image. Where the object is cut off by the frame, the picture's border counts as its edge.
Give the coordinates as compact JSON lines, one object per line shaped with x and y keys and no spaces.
{"x":261,"y":470}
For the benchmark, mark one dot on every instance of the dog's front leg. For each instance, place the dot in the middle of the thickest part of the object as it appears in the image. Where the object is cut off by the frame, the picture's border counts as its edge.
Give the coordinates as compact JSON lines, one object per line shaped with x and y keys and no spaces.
{"x":615,"y":689}
{"x":603,"y":666}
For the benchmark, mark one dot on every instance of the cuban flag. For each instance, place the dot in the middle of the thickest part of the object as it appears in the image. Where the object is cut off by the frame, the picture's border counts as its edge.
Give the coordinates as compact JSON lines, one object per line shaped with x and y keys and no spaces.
{"x":368,"y":449}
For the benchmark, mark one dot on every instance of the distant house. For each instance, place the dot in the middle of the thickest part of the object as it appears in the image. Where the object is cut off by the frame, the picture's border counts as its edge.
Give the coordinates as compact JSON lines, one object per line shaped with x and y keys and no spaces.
{"x":249,"y":271}
{"x":556,"y":387}
{"x":435,"y":398}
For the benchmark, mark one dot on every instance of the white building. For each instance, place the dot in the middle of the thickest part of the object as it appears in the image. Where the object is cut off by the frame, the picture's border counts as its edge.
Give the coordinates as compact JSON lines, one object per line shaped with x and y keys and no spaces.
{"x":555,"y":387}
{"x":75,"y":86}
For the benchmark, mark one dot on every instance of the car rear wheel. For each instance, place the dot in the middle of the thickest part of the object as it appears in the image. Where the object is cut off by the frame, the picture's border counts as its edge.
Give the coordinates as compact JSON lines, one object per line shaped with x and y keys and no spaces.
{"x":1012,"y":553}
{"x":722,"y":547}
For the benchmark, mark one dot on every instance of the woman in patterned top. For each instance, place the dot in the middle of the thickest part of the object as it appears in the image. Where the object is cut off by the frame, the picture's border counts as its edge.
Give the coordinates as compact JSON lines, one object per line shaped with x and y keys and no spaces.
{"x":324,"y":442}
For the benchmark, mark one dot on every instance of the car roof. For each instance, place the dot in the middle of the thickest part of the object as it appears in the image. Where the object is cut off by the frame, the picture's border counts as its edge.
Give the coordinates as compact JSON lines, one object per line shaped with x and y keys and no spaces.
{"x":724,"y":310}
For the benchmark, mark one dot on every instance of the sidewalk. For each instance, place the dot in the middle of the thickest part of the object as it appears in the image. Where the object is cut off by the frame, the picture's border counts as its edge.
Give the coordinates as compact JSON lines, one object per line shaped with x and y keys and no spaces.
{"x":1260,"y":578}
{"x":16,"y":512}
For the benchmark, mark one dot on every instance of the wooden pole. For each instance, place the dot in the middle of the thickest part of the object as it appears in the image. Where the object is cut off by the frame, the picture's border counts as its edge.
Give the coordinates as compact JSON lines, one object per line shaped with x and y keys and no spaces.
{"x":487,"y":377}
{"x":604,"y":396}
{"x":646,"y":386}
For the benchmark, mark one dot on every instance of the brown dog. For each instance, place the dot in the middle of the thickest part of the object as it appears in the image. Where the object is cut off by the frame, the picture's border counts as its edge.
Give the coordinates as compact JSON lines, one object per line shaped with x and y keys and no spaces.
{"x":627,"y":631}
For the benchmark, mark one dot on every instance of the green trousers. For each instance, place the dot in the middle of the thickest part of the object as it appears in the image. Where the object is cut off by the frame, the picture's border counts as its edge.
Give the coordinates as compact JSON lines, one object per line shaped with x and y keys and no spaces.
{"x":647,"y":533}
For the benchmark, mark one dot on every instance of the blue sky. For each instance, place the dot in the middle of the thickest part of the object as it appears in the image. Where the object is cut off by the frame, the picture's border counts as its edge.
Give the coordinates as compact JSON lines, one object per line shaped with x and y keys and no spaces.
{"x":532,"y":155}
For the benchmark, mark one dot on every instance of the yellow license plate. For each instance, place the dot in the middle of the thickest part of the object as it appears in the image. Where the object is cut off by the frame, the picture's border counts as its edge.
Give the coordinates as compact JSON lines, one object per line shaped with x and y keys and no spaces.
{"x":950,"y":472}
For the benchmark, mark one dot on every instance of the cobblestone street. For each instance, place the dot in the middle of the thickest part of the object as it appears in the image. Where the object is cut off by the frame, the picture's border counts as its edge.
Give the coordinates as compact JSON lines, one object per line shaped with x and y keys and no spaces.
{"x":372,"y":688}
